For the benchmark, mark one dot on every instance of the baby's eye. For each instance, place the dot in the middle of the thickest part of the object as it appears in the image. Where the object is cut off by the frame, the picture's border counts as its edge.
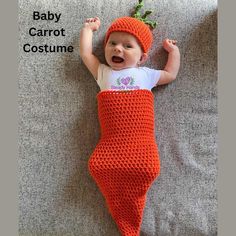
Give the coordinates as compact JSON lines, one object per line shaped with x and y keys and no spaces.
{"x":112,"y":43}
{"x":128,"y":46}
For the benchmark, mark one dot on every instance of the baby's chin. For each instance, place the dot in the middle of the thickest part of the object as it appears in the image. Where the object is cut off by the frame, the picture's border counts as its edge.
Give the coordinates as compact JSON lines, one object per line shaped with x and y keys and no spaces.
{"x":122,"y":68}
{"x":119,"y":66}
{"x":116,"y":66}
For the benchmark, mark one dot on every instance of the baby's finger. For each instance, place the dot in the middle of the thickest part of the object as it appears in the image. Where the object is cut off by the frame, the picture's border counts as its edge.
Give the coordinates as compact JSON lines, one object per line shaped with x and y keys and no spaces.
{"x":166,"y":41}
{"x":95,"y":19}
{"x":90,"y":20}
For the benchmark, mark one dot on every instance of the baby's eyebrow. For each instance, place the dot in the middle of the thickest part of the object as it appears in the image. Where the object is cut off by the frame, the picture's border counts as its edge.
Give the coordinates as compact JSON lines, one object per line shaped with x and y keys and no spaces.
{"x":129,"y":42}
{"x":111,"y":41}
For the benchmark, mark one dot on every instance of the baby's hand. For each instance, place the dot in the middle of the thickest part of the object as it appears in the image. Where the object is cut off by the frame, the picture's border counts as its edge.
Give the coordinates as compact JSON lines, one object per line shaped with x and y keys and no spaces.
{"x":92,"y":23}
{"x":170,"y":45}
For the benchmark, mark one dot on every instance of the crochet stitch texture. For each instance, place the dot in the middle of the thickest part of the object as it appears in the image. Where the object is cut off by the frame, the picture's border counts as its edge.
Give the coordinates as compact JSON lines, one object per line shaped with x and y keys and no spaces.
{"x":135,"y":27}
{"x":125,"y":161}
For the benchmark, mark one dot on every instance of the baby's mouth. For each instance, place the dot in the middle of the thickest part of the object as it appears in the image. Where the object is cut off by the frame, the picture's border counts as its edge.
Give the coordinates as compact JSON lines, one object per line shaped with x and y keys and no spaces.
{"x":117,"y":59}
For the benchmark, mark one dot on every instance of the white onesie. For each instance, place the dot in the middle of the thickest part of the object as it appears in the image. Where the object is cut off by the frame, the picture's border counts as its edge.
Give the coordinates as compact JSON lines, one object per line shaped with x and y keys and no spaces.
{"x":127,"y":79}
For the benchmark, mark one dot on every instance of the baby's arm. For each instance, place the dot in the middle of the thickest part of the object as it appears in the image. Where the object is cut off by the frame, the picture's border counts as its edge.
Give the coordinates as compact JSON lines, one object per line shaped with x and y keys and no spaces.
{"x":86,"y":52}
{"x":172,"y":66}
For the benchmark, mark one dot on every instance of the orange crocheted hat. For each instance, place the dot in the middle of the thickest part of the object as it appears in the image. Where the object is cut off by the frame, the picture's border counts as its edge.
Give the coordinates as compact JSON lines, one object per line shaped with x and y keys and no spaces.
{"x":137,"y":28}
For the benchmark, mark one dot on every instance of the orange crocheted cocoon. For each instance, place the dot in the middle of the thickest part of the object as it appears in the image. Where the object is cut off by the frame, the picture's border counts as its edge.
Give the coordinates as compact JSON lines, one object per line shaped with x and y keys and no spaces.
{"x":125,"y":162}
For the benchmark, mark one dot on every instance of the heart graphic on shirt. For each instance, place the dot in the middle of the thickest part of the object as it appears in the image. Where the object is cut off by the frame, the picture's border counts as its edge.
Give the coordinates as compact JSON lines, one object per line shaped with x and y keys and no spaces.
{"x":125,"y":80}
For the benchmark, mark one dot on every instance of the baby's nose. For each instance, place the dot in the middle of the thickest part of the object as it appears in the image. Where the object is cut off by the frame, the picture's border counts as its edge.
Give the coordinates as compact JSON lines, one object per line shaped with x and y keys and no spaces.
{"x":117,"y":48}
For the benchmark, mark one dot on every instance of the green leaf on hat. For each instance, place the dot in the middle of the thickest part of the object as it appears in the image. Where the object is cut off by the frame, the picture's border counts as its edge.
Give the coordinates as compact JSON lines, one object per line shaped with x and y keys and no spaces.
{"x":137,"y":15}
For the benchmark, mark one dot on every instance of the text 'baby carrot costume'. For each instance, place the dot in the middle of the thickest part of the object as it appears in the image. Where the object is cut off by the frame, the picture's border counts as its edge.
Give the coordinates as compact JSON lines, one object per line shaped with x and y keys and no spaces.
{"x":125,"y":162}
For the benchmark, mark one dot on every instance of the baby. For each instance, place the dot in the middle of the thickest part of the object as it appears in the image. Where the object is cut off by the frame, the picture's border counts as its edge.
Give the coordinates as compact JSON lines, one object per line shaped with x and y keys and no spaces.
{"x":125,"y":53}
{"x":125,"y":161}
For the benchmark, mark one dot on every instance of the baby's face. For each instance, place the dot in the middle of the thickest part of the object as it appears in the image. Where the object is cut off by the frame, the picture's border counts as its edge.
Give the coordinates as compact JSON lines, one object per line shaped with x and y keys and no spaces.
{"x":122,"y":51}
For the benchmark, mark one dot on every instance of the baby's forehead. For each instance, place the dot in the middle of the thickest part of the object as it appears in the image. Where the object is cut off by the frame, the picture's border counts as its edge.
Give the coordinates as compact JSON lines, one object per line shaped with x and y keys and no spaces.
{"x":122,"y":35}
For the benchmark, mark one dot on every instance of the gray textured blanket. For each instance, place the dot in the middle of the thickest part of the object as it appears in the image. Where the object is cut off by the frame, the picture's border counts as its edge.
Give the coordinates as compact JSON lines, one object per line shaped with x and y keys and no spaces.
{"x":59,"y":129}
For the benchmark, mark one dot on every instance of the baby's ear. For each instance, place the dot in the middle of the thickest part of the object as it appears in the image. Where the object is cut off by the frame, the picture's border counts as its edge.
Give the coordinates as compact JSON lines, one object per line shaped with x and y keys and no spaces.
{"x":143,"y":58}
